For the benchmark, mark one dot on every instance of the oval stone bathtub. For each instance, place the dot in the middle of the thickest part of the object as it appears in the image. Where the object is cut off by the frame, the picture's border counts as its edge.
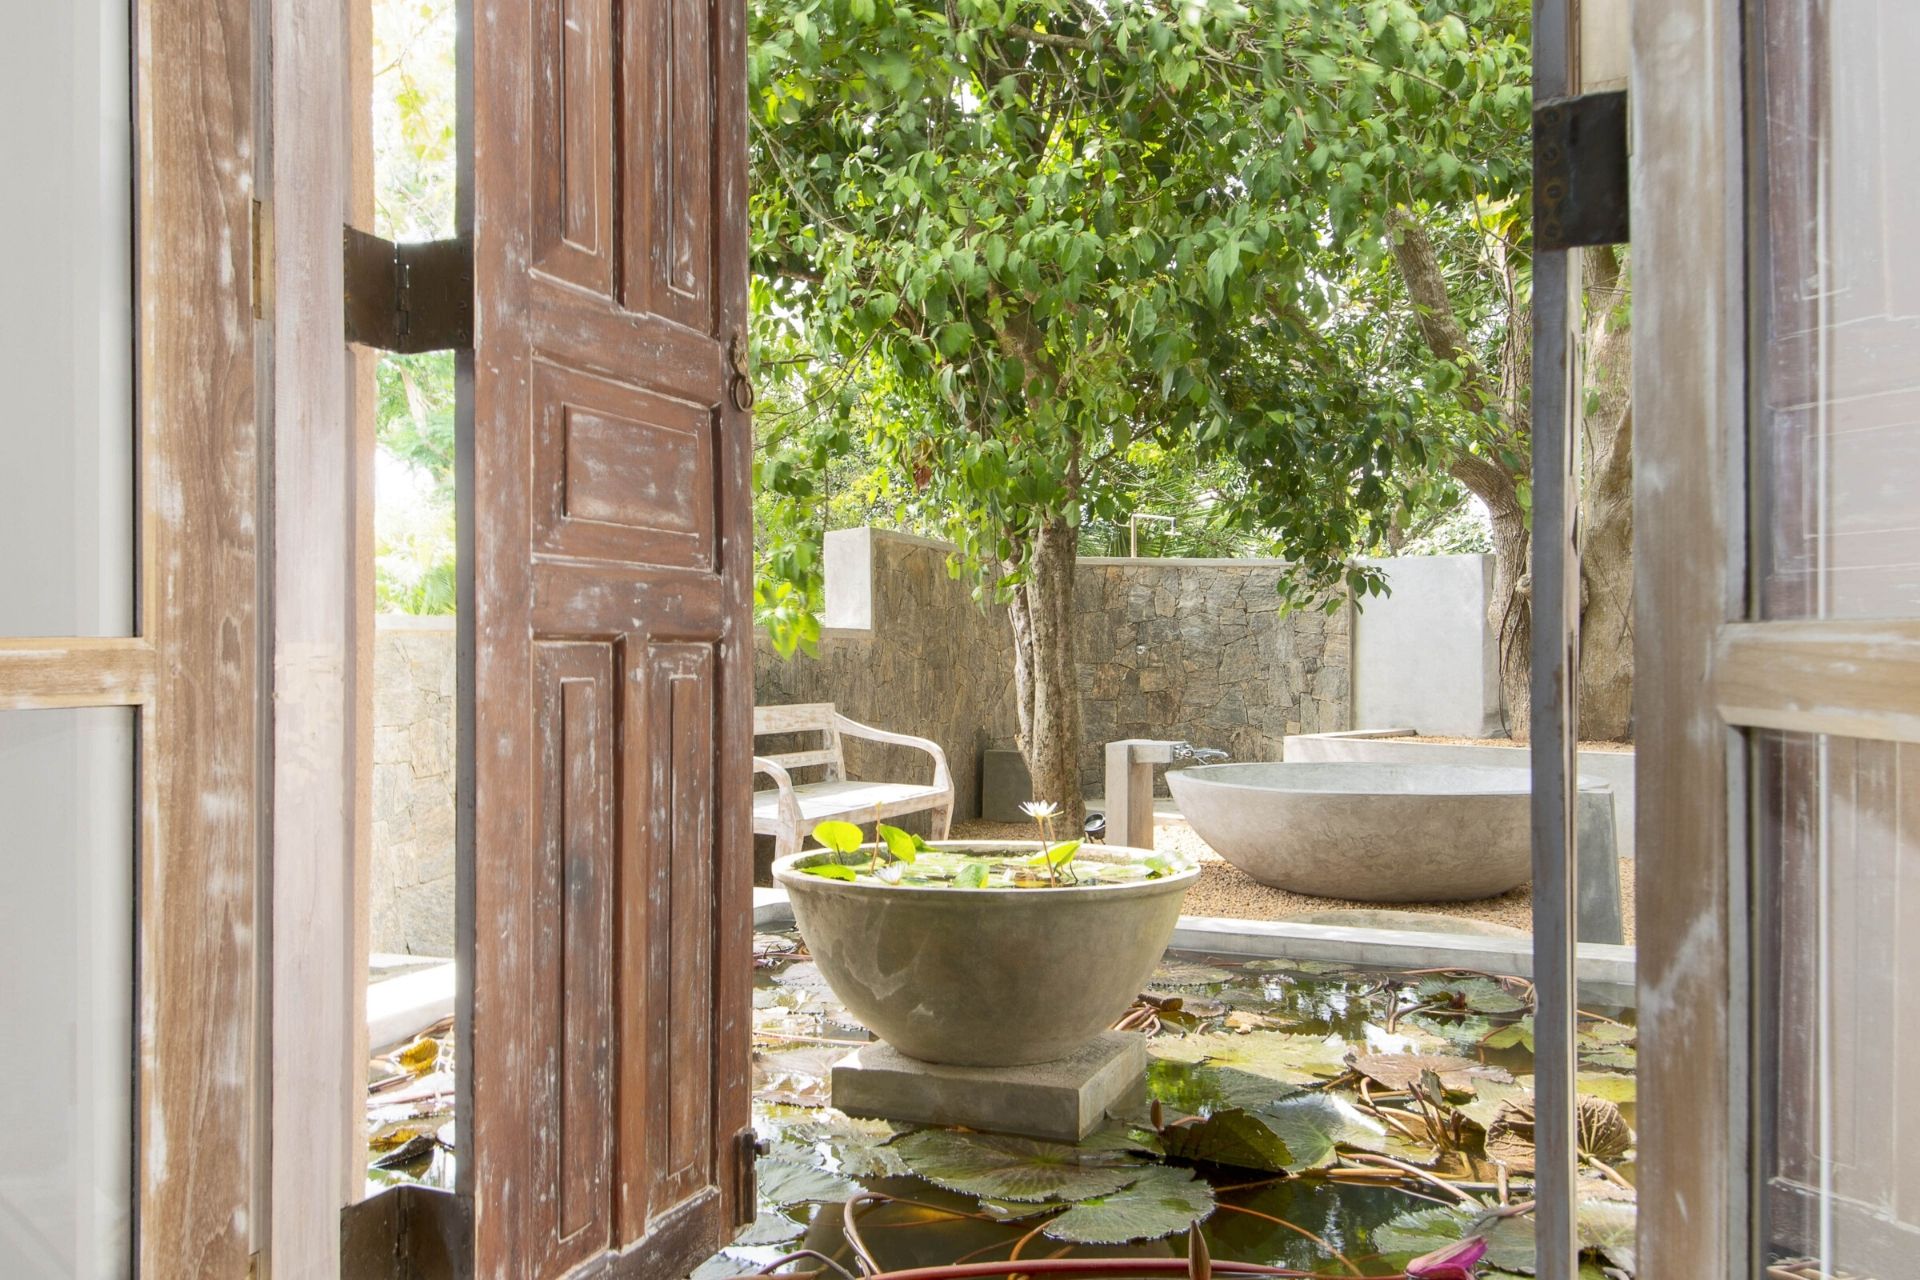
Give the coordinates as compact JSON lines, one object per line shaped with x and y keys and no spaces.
{"x":1373,"y":832}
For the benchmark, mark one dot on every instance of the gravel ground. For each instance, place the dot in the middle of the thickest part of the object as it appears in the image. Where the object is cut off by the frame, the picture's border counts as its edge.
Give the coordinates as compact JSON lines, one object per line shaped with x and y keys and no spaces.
{"x":1224,"y":891}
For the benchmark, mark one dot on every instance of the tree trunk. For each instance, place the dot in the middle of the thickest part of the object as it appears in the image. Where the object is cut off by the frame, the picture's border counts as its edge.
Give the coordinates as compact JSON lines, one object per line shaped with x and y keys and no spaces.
{"x":1046,"y":679}
{"x":1606,"y":507}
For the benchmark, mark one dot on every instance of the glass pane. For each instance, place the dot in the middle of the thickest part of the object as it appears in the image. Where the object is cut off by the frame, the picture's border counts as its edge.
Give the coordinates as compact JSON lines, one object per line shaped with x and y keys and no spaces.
{"x":1837,"y":423}
{"x":66,"y":948}
{"x":1838,"y":833}
{"x":66,"y":420}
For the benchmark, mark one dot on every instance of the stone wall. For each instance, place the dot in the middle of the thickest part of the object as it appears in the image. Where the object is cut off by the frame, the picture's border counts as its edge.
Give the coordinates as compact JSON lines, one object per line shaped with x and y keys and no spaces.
{"x":907,"y":649}
{"x":411,"y":894}
{"x":1197,"y":650}
{"x":1190,"y":649}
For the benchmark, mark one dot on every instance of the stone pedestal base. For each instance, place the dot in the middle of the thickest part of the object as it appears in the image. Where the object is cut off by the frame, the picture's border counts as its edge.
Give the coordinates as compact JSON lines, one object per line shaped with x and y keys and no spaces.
{"x":1063,"y":1100}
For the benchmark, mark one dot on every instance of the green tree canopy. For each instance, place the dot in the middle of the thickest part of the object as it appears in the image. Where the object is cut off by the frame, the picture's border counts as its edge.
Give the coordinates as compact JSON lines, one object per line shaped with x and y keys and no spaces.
{"x":1008,"y":243}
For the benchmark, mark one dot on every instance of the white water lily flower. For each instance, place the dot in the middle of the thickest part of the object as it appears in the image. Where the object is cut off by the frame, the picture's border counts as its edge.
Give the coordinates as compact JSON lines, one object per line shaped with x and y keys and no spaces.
{"x":891,"y":873}
{"x":1040,"y":809}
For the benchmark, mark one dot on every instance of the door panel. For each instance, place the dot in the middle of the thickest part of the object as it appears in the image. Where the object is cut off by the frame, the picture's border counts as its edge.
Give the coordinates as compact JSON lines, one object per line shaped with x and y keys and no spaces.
{"x":610,"y":646}
{"x":1834,"y":433}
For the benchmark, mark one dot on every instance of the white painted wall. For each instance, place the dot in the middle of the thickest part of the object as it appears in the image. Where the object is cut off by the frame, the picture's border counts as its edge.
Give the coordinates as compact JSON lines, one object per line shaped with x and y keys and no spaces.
{"x":1424,"y":657}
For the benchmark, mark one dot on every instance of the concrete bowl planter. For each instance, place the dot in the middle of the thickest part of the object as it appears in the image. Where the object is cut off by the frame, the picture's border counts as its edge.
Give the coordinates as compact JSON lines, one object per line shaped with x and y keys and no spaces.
{"x":1371,"y":832}
{"x":986,"y":977}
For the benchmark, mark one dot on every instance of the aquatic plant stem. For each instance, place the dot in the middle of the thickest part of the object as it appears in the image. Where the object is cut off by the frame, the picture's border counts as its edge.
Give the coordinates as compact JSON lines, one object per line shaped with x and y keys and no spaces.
{"x":1414,"y":1171}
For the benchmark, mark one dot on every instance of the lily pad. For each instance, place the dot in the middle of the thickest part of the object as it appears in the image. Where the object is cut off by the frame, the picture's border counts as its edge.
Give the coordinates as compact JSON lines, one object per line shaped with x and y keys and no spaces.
{"x":788,"y":1182}
{"x":1238,"y":1138}
{"x":1490,"y":1099}
{"x":1403,"y":1070}
{"x":1475,"y":995}
{"x":1277,"y":1055}
{"x":997,"y":1167}
{"x":1163,"y":1202}
{"x":1185,"y":973}
{"x":1313,"y":1125}
{"x":802,"y":1077}
{"x":855,"y":1147}
{"x":1509,"y":1240}
{"x":1514,"y":1034}
{"x":1615,"y":1088}
{"x":770,"y":1228}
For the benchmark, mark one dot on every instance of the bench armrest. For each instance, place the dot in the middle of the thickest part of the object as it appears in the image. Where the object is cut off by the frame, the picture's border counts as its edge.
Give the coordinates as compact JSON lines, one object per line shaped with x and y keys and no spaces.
{"x":789,"y":805}
{"x":853,"y":728}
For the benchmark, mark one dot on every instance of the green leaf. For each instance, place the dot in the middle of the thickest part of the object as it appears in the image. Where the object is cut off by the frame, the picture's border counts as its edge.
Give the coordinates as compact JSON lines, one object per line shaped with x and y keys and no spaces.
{"x":1235,"y":1137}
{"x":1059,"y":855}
{"x":1164,"y":1202}
{"x":999,"y":1167}
{"x":1313,"y":1125}
{"x":1276,"y":1055}
{"x":841,"y":837}
{"x":972,"y":876}
{"x":770,"y":1227}
{"x":830,"y":871}
{"x":899,"y":843}
{"x":785,"y":1182}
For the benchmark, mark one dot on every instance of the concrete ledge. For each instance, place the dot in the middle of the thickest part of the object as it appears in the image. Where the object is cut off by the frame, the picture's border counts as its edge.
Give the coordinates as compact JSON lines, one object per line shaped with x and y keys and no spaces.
{"x":1600,"y":964}
{"x":400,"y":1008}
{"x":1063,"y":1100}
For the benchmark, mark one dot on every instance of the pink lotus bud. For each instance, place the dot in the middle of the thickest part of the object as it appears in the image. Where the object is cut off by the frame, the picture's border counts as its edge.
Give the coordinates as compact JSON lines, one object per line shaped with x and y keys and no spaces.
{"x":1455,"y":1262}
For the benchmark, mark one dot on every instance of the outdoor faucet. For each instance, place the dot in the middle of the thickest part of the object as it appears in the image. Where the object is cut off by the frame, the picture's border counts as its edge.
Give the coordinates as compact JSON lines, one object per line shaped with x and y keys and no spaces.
{"x":1198,"y":755}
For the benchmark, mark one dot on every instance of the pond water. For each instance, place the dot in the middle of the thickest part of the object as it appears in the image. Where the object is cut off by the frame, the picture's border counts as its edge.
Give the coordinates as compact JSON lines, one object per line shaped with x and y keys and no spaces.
{"x":1326,"y":1118}
{"x":1332,"y":1119}
{"x":990,"y":868}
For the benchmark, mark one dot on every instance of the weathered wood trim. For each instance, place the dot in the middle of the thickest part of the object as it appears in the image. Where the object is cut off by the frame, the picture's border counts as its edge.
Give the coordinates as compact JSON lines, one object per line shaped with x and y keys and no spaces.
{"x":75,"y":672}
{"x":1689,"y":409}
{"x":363,"y":397}
{"x":200,"y":518}
{"x":315,"y":974}
{"x":1851,"y":679}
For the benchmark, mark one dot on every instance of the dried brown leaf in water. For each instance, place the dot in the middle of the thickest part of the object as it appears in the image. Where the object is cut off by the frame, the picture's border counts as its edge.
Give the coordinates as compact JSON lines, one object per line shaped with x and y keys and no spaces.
{"x":1401,"y":1071}
{"x":1604,"y":1133}
{"x":1510,"y":1136}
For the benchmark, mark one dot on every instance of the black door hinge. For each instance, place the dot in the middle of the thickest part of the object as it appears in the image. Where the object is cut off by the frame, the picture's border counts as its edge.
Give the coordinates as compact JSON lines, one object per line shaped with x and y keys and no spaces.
{"x":1580,"y":171}
{"x":408,"y":297}
{"x":748,"y":1148}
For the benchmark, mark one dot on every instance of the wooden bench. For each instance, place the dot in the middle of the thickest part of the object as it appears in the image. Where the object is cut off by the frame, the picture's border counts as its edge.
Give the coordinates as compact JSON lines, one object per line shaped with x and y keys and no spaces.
{"x":791,"y":810}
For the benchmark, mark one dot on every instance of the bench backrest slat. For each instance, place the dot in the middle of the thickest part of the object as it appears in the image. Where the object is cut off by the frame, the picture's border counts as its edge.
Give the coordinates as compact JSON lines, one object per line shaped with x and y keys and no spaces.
{"x":805,"y":717}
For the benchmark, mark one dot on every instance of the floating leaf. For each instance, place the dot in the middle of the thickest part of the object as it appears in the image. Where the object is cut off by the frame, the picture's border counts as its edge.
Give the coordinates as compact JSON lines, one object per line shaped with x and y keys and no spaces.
{"x":769,"y":1228}
{"x":1277,"y":1055}
{"x":1510,"y":1137}
{"x":1313,"y":1124}
{"x":830,"y":871}
{"x":1603,"y":1131}
{"x":801,"y":1077}
{"x":1185,"y":973}
{"x":1199,"y":1087}
{"x":899,"y":843}
{"x":1490,"y":1098}
{"x":1163,"y":1202}
{"x":1421,"y":1231}
{"x":972,"y":876}
{"x":1612,"y":1057}
{"x":788,"y":1182}
{"x":1310,"y":967}
{"x":857,"y":1147}
{"x":1236,"y":1137}
{"x":1403,"y":1070}
{"x":1615,"y":1088}
{"x":1514,"y":1034}
{"x":841,"y":837}
{"x":997,"y":1167}
{"x":1476,"y":995}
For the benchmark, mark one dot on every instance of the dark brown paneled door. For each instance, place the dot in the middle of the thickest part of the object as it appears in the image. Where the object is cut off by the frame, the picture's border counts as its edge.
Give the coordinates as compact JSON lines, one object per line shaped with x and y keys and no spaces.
{"x":610,"y":668}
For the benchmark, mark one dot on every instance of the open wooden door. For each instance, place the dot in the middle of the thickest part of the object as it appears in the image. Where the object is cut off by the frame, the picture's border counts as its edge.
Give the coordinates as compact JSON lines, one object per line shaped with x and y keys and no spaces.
{"x":1777,"y":450}
{"x":606,"y":639}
